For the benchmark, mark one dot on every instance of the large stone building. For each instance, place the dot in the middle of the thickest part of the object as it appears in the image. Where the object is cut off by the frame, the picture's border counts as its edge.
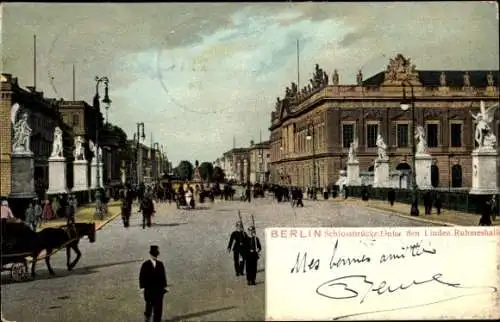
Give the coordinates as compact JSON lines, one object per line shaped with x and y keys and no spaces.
{"x":259,"y":158}
{"x":153,"y":166}
{"x":331,"y":115}
{"x":44,"y":116}
{"x":244,"y":165}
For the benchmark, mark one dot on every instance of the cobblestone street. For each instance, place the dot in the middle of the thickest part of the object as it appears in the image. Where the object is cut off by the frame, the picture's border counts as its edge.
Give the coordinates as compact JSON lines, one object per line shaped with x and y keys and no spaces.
{"x":202,"y":283}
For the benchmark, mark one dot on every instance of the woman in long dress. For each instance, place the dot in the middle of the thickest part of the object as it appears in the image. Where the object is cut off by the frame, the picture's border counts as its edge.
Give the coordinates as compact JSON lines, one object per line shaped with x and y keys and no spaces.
{"x":189,"y":197}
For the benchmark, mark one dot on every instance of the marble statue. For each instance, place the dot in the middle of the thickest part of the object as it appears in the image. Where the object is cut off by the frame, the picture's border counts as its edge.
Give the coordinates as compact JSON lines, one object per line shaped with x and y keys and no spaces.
{"x":22,"y":135}
{"x":79,"y":152}
{"x":57,"y":143}
{"x":381,"y":148}
{"x":359,"y":78}
{"x":422,"y":143}
{"x":335,"y":77}
{"x":93,"y":148}
{"x":484,"y":134}
{"x":442,"y":79}
{"x":466,"y":79}
{"x":489,"y":79}
{"x":353,"y":147}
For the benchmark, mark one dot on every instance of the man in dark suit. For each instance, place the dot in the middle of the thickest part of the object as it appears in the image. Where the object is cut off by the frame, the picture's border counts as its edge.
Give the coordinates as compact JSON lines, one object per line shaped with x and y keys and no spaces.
{"x":253,"y":249}
{"x":153,"y":280}
{"x":237,"y":244}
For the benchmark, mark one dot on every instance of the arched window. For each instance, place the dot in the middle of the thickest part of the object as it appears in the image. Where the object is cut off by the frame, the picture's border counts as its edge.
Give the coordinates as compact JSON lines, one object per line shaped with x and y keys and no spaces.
{"x":456,"y":176}
{"x":434,"y":175}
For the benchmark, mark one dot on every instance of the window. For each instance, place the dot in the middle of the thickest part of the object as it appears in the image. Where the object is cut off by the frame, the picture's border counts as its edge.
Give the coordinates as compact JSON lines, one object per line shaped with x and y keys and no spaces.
{"x":432,"y":135}
{"x":456,"y":135}
{"x":347,"y":134}
{"x":402,"y":135}
{"x":371,"y":135}
{"x":76,"y":119}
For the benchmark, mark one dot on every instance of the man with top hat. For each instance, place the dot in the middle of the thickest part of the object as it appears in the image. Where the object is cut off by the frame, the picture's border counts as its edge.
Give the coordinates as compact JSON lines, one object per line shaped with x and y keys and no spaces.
{"x":153,"y":280}
{"x":253,"y":248}
{"x":237,"y":245}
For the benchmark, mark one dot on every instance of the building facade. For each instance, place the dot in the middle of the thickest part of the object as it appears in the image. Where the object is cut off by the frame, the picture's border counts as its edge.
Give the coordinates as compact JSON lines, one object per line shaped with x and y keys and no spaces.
{"x":44,"y":116}
{"x":259,"y":157}
{"x":329,"y":116}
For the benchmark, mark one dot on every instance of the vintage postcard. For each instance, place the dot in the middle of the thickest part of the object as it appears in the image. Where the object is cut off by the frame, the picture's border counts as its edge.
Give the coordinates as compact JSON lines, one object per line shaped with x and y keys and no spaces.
{"x":249,"y":161}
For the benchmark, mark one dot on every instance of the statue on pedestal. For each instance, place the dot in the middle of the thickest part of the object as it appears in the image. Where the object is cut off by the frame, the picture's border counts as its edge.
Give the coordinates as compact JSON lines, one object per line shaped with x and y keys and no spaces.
{"x":95,"y":151}
{"x":484,"y":135}
{"x":57,"y":143}
{"x":79,"y":152}
{"x":22,"y":135}
{"x":335,"y":77}
{"x":421,"y":147}
{"x":442,"y":79}
{"x":353,"y":147}
{"x":381,"y":148}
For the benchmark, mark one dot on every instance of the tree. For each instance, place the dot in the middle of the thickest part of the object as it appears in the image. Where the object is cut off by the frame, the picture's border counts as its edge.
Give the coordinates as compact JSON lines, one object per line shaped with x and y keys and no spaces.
{"x":184,"y":170}
{"x":218,"y":175}
{"x":206,"y":171}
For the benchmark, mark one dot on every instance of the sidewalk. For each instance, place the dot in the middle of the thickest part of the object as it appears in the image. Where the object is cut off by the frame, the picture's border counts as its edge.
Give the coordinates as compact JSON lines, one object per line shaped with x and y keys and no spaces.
{"x":447,"y":217}
{"x":87,"y":214}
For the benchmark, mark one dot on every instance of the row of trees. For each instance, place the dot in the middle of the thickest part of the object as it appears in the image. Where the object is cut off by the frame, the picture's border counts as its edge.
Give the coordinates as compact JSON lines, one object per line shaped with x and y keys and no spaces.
{"x":185,"y":171}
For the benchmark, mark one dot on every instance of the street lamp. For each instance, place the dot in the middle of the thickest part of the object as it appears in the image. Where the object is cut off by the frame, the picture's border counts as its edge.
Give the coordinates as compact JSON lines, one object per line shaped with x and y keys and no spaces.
{"x":139,"y":135}
{"x":156,"y":149}
{"x":310,"y":137}
{"x":106,"y":101}
{"x":407,"y":104}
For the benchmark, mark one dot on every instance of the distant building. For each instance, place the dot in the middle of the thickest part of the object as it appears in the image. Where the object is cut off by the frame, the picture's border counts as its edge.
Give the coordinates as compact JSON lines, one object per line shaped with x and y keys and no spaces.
{"x":260,"y":158}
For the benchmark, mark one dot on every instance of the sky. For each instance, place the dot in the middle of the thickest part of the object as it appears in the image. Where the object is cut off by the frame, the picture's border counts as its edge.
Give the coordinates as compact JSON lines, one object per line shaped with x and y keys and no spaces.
{"x":198,"y":74}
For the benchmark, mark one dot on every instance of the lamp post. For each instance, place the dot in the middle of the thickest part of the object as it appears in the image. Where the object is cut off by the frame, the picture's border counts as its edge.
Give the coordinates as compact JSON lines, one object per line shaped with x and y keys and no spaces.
{"x":310,"y":137}
{"x":156,"y":149}
{"x":405,"y":105}
{"x":281,"y":151}
{"x":139,"y":135}
{"x":107,"y":101}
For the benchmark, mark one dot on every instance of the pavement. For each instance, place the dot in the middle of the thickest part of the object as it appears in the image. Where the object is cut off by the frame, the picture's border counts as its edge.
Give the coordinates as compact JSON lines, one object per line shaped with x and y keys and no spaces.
{"x":447,"y":217}
{"x":202,"y":283}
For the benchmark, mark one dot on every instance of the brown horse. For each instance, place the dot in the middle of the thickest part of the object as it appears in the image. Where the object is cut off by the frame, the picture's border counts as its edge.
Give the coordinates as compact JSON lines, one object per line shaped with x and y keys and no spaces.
{"x":68,"y":237}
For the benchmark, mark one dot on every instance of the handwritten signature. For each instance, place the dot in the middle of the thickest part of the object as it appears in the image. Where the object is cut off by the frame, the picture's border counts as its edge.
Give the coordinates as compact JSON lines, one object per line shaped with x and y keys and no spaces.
{"x":342,"y":288}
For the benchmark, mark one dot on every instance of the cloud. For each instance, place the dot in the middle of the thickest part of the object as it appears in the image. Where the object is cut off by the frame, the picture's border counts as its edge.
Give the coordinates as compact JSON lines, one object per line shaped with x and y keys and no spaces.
{"x":197,"y":74}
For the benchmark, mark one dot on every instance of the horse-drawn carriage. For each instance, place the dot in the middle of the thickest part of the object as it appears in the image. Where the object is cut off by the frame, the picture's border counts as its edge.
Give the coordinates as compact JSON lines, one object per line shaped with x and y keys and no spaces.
{"x":21,"y":246}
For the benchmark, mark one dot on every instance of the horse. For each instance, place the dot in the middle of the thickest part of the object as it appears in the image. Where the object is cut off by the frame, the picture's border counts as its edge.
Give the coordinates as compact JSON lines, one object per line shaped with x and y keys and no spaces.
{"x":67,"y":236}
{"x":20,"y":239}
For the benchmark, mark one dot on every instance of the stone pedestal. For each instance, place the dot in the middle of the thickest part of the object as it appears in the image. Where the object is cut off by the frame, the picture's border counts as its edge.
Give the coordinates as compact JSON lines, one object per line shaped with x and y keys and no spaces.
{"x":57,"y":176}
{"x":93,"y":177}
{"x":423,"y":163}
{"x":484,"y":172}
{"x":381,"y":174}
{"x":353,"y":178}
{"x":23,"y":175}
{"x":80,"y":178}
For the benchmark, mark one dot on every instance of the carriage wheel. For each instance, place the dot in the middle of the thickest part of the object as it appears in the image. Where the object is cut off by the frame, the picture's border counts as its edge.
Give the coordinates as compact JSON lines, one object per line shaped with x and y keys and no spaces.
{"x":19,"y":272}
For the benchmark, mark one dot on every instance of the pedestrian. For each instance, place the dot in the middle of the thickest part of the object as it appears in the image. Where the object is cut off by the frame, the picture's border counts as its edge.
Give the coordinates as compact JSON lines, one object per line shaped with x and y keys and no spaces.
{"x":147,"y":208}
{"x":38,"y":213}
{"x":47,"y":213}
{"x":237,"y":245}
{"x":126,"y":205}
{"x":300,"y":196}
{"x":70,"y":211}
{"x":438,"y":203}
{"x":153,"y":280}
{"x":427,"y":203}
{"x":6,"y":212}
{"x":29,"y":216}
{"x":253,"y":249}
{"x":391,"y":196}
{"x":485,"y":219}
{"x":325,"y":193}
{"x":494,"y":208}
{"x":56,"y":205}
